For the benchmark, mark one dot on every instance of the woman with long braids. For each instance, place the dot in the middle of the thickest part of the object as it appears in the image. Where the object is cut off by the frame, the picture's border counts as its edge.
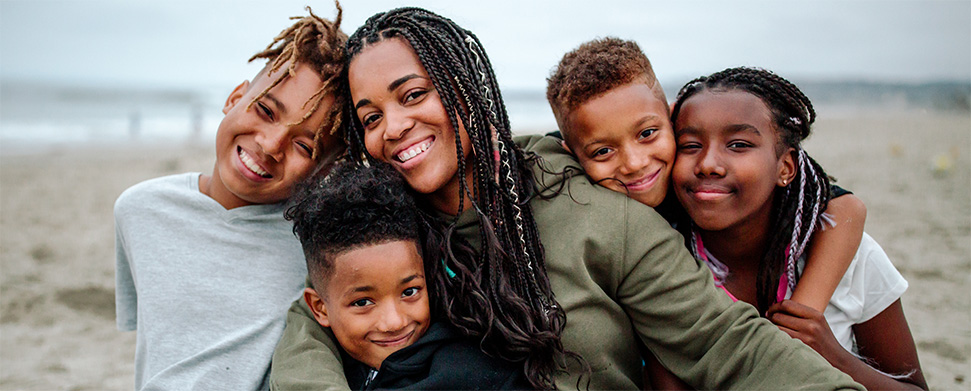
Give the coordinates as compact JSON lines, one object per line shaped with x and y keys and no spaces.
{"x":755,"y":198}
{"x":537,"y":264}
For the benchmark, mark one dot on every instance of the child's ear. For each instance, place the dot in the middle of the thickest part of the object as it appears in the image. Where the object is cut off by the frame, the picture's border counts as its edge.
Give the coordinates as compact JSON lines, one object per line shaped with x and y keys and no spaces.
{"x":316,"y":305}
{"x":235,"y":96}
{"x":787,"y":167}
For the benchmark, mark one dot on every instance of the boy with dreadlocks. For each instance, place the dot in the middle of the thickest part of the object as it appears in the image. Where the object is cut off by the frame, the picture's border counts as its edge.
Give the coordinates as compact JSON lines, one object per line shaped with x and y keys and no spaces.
{"x":359,"y":230}
{"x":206,"y":264}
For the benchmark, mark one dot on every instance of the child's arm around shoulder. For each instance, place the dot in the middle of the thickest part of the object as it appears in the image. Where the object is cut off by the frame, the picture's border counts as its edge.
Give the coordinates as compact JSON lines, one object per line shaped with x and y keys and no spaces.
{"x":881,"y":332}
{"x":830,"y":252}
{"x":885,"y":341}
{"x":695,"y":330}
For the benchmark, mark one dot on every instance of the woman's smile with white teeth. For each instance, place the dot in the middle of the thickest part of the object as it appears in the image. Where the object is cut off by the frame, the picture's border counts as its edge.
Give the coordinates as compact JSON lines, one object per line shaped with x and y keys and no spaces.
{"x":415,"y":150}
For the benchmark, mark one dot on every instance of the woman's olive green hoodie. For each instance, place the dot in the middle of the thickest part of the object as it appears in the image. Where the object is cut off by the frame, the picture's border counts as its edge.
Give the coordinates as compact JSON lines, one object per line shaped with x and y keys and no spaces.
{"x":623,"y":276}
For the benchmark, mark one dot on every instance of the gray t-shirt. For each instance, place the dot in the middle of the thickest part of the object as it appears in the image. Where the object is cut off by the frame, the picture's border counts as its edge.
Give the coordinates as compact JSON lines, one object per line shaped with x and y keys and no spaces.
{"x":206,"y":289}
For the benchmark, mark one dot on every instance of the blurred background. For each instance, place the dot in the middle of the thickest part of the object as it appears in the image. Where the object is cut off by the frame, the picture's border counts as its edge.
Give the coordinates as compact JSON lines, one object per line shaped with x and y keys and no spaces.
{"x":102,"y":71}
{"x":98,"y":95}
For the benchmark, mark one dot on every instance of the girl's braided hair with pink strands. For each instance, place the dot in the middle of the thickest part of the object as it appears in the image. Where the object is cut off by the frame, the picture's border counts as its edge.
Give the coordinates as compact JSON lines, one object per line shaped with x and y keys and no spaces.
{"x":798,"y":207}
{"x":319,"y":43}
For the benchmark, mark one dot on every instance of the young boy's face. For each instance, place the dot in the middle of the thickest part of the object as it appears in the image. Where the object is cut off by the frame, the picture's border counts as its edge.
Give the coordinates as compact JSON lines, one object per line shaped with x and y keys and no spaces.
{"x":261,"y":151}
{"x":375,"y":301}
{"x":624,"y":140}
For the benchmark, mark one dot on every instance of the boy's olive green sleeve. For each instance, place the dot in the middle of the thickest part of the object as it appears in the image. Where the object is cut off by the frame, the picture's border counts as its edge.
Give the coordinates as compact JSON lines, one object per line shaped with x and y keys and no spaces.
{"x":307,"y":357}
{"x":695,"y":330}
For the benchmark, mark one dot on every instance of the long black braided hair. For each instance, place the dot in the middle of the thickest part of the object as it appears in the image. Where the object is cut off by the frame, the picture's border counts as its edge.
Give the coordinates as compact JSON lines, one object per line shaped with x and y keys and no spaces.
{"x":500,"y":294}
{"x":796,"y":208}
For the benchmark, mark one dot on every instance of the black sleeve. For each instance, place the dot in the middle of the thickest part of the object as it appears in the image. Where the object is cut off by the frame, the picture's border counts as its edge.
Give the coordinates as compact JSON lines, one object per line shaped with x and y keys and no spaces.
{"x":836,"y":191}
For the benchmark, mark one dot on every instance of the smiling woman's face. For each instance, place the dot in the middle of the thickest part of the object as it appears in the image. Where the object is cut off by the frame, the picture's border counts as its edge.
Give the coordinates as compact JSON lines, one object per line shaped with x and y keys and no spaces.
{"x":404,"y":121}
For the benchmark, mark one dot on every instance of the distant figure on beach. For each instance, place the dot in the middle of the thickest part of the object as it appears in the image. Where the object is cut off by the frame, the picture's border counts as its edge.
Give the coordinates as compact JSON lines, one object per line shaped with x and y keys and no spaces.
{"x":206,"y":265}
{"x":360,"y":234}
{"x":535,"y":263}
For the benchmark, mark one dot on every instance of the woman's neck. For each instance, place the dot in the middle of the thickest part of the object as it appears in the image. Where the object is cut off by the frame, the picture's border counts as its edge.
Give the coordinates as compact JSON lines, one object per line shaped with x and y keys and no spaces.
{"x":446,"y":200}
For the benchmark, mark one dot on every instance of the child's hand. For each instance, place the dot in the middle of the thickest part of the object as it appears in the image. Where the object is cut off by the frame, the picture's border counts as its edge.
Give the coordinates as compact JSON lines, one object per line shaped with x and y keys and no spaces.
{"x":809,"y":326}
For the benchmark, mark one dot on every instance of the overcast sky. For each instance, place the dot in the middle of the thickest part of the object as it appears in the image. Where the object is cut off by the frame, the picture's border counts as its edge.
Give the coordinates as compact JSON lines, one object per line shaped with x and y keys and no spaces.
{"x":206,"y":43}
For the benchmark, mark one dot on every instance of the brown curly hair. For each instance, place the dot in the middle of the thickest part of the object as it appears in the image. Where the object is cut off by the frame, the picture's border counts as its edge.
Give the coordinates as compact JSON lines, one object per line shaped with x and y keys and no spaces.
{"x":318,"y":43}
{"x":594,"y":68}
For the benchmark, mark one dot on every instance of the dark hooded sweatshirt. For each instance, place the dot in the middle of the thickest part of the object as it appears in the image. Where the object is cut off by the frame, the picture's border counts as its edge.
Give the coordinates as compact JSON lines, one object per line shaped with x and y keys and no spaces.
{"x":440,"y":360}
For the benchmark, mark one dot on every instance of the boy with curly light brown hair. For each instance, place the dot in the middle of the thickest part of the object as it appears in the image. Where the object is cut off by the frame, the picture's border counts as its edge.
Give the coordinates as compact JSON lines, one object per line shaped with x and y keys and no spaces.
{"x":614,"y":118}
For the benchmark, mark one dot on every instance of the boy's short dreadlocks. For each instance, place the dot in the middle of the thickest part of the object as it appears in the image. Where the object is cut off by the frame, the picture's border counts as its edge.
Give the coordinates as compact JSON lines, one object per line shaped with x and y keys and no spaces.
{"x":594,"y":68}
{"x":318,"y":43}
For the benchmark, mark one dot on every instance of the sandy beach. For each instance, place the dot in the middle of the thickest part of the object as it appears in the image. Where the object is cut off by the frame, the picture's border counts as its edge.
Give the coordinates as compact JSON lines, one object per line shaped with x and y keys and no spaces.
{"x":57,"y":329}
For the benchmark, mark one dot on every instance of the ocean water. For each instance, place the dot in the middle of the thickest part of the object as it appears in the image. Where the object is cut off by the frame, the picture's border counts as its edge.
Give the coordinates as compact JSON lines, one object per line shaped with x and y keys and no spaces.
{"x":37,"y":116}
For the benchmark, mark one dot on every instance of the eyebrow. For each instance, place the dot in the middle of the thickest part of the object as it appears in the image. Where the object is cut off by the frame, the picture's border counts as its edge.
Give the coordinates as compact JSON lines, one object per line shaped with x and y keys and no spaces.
{"x":365,"y":288}
{"x":369,"y":288}
{"x":649,"y":117}
{"x":409,"y":278}
{"x":734,"y":128}
{"x":685,"y":130}
{"x":639,"y":124}
{"x":587,"y":146}
{"x":362,"y":103}
{"x":401,"y":80}
{"x":276,"y":102}
{"x":391,"y":87}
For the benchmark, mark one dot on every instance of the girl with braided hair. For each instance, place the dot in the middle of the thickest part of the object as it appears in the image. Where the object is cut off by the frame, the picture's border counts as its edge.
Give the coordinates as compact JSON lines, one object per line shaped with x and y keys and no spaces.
{"x":755,"y":198}
{"x":536,"y":263}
